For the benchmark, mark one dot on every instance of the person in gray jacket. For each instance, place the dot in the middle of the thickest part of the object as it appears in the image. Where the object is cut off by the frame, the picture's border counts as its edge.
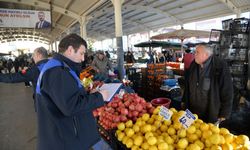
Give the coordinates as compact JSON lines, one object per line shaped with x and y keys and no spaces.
{"x":101,"y":65}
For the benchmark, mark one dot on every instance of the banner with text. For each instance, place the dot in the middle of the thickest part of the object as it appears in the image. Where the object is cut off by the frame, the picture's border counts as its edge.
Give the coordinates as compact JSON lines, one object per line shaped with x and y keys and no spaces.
{"x":24,"y":18}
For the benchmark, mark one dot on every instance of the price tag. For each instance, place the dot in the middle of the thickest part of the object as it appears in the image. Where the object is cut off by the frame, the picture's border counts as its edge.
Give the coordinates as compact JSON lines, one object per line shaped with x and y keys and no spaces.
{"x":187,"y":119}
{"x":165,"y":113}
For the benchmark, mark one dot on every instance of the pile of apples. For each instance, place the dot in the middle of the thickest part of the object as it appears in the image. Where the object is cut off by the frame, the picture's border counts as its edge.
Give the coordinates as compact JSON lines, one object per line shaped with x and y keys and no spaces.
{"x":121,"y":109}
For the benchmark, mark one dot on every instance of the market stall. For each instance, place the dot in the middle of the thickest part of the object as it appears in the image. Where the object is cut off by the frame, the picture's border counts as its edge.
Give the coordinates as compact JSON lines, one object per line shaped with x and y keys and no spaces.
{"x":129,"y":122}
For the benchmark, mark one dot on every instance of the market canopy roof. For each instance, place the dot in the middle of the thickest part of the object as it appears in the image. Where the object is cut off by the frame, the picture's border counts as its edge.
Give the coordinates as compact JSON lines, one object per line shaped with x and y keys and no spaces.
{"x":163,"y":44}
{"x":182,"y":34}
{"x":138,"y":16}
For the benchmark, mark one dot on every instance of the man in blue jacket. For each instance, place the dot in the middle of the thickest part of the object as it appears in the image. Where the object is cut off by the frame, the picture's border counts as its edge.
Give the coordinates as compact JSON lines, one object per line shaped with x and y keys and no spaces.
{"x":39,"y":56}
{"x":64,"y":108}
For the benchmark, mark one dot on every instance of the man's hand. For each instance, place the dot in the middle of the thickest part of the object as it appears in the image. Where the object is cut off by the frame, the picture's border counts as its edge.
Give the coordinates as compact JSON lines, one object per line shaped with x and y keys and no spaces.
{"x":221,"y":119}
{"x":105,"y":94}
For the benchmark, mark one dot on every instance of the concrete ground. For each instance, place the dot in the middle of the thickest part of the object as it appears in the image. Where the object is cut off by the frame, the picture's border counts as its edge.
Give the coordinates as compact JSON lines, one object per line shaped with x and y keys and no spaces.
{"x":17,"y":118}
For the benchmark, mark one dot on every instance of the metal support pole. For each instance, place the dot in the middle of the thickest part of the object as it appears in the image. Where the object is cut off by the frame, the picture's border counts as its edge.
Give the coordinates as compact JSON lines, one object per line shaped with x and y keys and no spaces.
{"x":118,"y":32}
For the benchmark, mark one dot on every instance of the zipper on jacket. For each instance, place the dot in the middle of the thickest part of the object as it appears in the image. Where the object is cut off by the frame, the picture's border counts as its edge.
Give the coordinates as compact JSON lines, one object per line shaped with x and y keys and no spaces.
{"x":75,"y":126}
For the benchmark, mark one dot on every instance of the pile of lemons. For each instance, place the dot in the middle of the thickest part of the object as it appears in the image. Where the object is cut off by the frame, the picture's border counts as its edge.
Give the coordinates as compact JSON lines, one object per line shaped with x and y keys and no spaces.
{"x":155,"y":133}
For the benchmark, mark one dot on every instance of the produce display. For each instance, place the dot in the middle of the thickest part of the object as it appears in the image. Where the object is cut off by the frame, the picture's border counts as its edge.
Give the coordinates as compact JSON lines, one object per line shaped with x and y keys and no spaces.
{"x":152,"y":132}
{"x":121,"y":109}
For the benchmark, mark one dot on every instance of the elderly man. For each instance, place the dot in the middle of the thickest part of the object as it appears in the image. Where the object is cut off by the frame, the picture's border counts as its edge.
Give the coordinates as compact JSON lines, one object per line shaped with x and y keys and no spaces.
{"x":39,"y":56}
{"x":209,"y":89}
{"x":102,"y":65}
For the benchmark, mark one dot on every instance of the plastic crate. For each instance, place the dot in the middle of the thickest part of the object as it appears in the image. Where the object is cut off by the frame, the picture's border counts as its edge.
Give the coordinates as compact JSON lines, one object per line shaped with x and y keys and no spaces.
{"x":108,"y":136}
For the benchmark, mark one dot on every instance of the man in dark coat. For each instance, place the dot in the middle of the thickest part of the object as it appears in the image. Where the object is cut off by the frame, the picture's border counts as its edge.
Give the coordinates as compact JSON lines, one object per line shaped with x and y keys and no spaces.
{"x":31,"y":74}
{"x":209,"y":89}
{"x":64,"y":108}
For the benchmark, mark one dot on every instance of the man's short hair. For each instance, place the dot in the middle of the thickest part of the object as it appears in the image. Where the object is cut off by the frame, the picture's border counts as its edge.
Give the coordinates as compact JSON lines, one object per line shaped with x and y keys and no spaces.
{"x":73,"y":40}
{"x":42,"y":51}
{"x":207,"y":47}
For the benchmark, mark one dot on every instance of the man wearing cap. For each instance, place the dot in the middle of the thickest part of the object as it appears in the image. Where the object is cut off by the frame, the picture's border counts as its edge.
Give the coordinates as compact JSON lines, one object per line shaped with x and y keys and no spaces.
{"x":101,"y":65}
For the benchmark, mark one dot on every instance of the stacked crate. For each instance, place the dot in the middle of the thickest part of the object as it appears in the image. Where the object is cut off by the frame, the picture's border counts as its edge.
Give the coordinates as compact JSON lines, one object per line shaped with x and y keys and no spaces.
{"x":155,"y":74}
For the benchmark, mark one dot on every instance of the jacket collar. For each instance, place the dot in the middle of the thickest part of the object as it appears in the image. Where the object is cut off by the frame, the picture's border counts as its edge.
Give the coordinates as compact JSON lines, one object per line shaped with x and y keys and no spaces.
{"x":73,"y":65}
{"x":41,"y":61}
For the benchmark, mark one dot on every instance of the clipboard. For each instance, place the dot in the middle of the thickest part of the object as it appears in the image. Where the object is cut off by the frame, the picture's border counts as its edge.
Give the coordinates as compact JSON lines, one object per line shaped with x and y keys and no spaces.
{"x":112,"y":88}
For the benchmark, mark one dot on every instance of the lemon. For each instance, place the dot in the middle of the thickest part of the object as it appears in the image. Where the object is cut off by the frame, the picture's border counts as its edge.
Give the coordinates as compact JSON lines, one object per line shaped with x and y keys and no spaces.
{"x":121,"y":126}
{"x":169,"y":140}
{"x":177,"y":125}
{"x":151,"y":140}
{"x":138,"y":140}
{"x":159,"y":118}
{"x":163,"y":128}
{"x":224,"y":131}
{"x":120,"y":136}
{"x":222,"y":140}
{"x":136,"y":128}
{"x":138,"y":122}
{"x":173,"y":110}
{"x":145,"y":145}
{"x":129,"y":124}
{"x":215,"y":147}
{"x":242,"y":139}
{"x":157,"y":124}
{"x":193,"y":147}
{"x":167,"y":122}
{"x":229,"y":138}
{"x":199,"y":143}
{"x":129,"y":143}
{"x":145,"y":117}
{"x":124,"y":140}
{"x":182,"y":143}
{"x":191,"y":129}
{"x":215,"y":139}
{"x":215,"y":129}
{"x":199,"y":121}
{"x":204,"y":127}
{"x":146,"y":128}
{"x":129,"y":132}
{"x":198,"y":133}
{"x":182,"y":133}
{"x":156,"y":111}
{"x":180,"y":113}
{"x":153,"y":128}
{"x":206,"y":134}
{"x":208,"y":143}
{"x":170,"y":147}
{"x":163,"y":146}
{"x":227,"y":146}
{"x":192,"y":137}
{"x":150,"y":120}
{"x":171,"y":131}
{"x":148,"y":134}
{"x":134,"y":147}
{"x":153,"y":147}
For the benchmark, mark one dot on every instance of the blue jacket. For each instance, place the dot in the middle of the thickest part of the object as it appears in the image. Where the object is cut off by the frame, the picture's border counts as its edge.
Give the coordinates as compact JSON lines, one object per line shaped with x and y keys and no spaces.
{"x":64,"y":109}
{"x":30,"y":74}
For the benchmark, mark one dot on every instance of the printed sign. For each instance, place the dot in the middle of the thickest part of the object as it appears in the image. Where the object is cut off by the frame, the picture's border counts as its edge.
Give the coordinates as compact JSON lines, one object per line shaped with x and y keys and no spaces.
{"x":24,"y":18}
{"x":165,"y":113}
{"x":187,"y":119}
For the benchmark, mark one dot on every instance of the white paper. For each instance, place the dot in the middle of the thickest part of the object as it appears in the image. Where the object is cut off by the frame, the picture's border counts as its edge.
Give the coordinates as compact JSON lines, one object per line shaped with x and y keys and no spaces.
{"x":165,"y":113}
{"x":187,"y":119}
{"x":111,"y":88}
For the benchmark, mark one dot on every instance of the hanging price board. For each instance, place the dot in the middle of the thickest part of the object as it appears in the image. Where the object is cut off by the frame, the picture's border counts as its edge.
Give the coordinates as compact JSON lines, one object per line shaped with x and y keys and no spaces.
{"x":165,"y":113}
{"x":187,"y":119}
